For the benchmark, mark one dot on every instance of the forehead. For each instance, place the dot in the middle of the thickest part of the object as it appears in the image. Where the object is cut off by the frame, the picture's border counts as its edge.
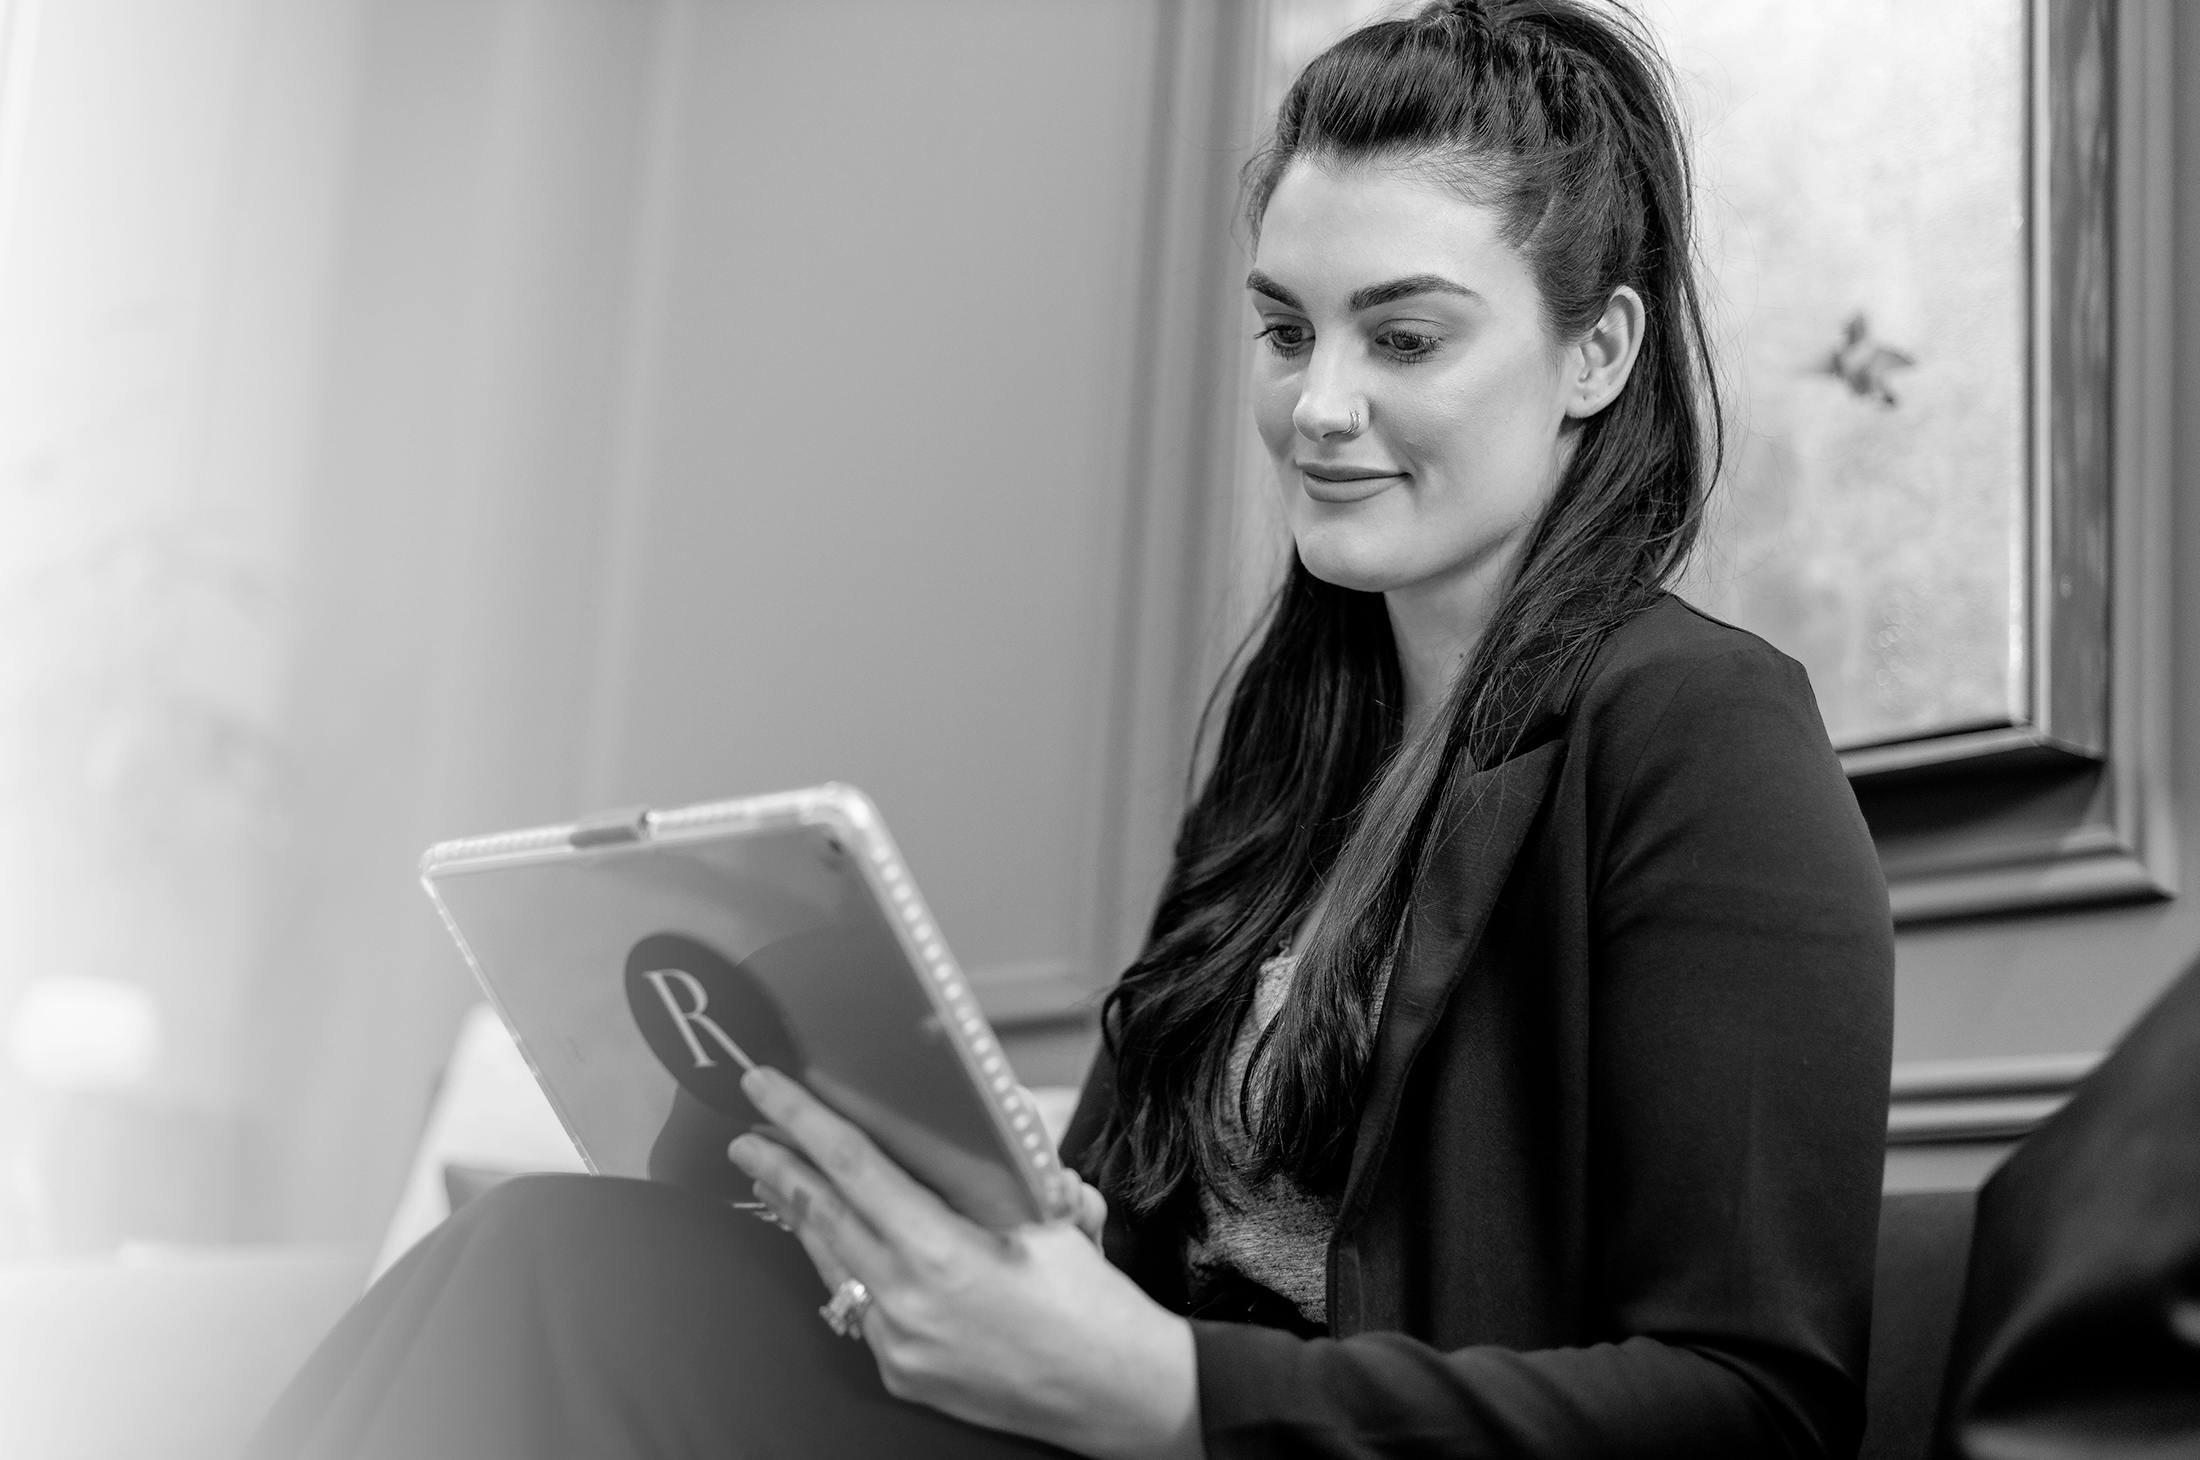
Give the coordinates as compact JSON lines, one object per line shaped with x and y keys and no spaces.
{"x":1331,"y":229}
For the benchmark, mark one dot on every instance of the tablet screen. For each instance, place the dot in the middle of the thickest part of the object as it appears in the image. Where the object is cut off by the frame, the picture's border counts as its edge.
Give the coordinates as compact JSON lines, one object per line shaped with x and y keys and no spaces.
{"x":640,"y":979}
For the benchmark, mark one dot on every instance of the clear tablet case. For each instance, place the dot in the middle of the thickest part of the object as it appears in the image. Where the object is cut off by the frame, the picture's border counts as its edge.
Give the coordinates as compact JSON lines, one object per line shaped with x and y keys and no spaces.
{"x":642,"y":959}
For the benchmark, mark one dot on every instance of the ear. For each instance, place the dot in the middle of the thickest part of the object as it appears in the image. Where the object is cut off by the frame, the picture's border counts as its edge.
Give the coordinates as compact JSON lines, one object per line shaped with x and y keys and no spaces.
{"x":1599,"y":363}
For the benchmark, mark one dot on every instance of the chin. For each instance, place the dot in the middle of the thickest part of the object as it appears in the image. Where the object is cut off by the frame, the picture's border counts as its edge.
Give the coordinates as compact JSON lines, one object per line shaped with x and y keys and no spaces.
{"x":1347,"y":564}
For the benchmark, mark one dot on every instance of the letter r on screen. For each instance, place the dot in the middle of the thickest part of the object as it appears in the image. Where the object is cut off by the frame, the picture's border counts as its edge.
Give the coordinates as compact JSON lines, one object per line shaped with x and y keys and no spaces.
{"x":689,"y":1019}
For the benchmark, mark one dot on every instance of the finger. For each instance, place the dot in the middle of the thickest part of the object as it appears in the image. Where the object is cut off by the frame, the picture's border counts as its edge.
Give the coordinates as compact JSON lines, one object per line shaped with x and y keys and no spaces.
{"x":831,"y":1271}
{"x":888,"y":1196}
{"x":810,"y":1204}
{"x":1091,"y":1210}
{"x":762,"y":1211}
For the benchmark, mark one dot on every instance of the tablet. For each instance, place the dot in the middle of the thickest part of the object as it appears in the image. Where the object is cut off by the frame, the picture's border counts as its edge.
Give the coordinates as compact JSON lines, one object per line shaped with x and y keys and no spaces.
{"x":643,"y":960}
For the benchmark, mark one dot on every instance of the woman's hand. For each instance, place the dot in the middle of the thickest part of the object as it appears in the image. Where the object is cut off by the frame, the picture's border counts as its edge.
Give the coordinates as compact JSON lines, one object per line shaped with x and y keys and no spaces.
{"x":1091,"y":1209}
{"x":1031,"y":1330}
{"x":1088,"y":1208}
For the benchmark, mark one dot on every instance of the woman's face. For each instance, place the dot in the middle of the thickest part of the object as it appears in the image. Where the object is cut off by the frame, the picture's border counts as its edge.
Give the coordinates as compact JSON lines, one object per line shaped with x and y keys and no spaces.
{"x":1406,"y":388}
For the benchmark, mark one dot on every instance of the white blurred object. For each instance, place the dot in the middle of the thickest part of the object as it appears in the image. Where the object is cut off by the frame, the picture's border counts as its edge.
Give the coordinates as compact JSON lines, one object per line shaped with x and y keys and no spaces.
{"x":488,"y":1112}
{"x":84,"y":1034}
{"x":175,"y":1354}
{"x":1056,"y":1104}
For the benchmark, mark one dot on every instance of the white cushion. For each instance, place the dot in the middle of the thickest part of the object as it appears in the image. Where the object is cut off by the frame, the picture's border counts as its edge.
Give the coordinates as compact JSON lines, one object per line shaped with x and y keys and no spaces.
{"x":490,"y":1113}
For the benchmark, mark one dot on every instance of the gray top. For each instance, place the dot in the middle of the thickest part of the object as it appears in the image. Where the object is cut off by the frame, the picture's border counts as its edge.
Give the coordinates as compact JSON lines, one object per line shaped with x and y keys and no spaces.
{"x":1278,"y":1235}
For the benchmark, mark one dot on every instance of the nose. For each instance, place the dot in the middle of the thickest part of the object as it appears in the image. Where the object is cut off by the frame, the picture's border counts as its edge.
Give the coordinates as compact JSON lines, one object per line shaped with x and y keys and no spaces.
{"x":1330,"y":406}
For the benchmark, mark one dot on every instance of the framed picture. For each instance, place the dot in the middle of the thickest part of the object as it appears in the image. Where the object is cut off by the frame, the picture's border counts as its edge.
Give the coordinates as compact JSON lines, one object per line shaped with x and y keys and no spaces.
{"x":1927,"y":233}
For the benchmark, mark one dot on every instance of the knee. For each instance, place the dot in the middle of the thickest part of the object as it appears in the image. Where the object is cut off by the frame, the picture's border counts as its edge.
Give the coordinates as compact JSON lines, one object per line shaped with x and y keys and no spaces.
{"x":538,"y":1204}
{"x":604,"y":1244}
{"x":562,"y":1211}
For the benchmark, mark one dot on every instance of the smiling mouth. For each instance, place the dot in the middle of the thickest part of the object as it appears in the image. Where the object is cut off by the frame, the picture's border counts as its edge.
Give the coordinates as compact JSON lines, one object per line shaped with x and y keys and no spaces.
{"x":1345,"y":484}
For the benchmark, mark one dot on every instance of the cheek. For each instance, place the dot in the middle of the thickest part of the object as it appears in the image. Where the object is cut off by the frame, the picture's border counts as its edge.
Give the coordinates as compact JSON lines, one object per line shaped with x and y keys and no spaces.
{"x":1481,"y":432}
{"x":1274,"y":399}
{"x":1440,"y":433}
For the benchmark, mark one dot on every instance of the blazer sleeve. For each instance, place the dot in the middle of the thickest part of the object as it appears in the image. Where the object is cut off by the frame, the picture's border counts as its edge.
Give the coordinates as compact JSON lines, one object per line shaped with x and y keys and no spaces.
{"x":1739,"y":1026}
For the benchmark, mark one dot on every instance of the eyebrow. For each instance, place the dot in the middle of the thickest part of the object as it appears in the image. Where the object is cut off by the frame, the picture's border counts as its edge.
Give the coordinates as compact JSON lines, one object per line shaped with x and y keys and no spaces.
{"x":1370,"y":297}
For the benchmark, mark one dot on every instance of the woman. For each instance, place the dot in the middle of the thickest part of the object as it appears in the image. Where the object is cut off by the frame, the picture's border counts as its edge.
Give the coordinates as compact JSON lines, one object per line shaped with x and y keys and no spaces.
{"x":1506,"y":1070}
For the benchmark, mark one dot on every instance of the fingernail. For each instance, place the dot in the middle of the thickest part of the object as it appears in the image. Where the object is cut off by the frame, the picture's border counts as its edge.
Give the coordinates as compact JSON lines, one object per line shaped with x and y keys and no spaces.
{"x":759,"y":1082}
{"x":741,"y":1150}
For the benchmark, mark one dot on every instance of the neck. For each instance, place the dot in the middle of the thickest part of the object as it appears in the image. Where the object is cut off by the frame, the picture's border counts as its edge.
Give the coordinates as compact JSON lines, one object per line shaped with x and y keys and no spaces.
{"x":1428,"y":662}
{"x":1435,"y":628}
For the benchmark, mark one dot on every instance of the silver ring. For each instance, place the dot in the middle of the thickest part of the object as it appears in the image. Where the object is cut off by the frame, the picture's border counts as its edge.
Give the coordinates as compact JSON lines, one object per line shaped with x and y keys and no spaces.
{"x":844,"y":1313}
{"x":1352,"y":427}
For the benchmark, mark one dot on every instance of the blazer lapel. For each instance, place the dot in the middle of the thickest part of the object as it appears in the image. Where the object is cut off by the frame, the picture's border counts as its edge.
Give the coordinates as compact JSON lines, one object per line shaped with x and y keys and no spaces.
{"x":1485,"y":821}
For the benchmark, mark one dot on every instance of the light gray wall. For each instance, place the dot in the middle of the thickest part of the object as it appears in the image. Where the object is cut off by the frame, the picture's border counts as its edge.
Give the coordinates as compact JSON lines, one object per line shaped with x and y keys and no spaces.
{"x":725,"y":396}
{"x":871,"y":528}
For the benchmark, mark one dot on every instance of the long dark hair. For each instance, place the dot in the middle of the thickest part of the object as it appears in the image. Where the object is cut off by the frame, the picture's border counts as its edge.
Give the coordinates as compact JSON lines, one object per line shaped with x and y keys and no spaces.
{"x":1561,"y":118}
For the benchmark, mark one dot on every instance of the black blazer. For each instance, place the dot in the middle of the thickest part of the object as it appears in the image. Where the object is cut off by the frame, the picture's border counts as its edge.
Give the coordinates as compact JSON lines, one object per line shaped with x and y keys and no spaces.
{"x":1616,"y":1178}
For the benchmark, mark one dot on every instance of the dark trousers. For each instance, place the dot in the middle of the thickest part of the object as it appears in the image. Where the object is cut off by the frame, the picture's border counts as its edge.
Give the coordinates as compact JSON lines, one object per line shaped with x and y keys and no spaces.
{"x":589,"y":1316}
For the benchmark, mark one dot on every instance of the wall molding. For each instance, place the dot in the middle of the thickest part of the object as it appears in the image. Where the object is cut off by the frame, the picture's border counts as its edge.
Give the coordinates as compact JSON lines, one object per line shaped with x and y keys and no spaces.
{"x":645,"y":305}
{"x":1175,"y":527}
{"x":2005,"y":1098}
{"x":2022,"y":826}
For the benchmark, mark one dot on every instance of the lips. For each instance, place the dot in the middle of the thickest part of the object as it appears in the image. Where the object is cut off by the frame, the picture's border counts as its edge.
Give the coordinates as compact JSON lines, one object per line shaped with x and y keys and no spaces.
{"x":1340,"y":484}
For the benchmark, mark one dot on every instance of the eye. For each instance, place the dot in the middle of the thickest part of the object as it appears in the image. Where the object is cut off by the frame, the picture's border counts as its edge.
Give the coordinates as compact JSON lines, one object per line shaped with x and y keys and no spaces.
{"x":1286,"y":340}
{"x":1407,"y":345}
